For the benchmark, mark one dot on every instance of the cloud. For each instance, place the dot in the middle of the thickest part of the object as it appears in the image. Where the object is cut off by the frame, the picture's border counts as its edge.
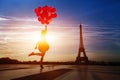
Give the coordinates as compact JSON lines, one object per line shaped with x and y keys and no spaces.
{"x":3,"y":19}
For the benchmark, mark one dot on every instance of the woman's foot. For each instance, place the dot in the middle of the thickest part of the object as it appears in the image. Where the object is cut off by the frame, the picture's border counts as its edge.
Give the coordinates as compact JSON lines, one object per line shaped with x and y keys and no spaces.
{"x":31,"y":54}
{"x":41,"y":66}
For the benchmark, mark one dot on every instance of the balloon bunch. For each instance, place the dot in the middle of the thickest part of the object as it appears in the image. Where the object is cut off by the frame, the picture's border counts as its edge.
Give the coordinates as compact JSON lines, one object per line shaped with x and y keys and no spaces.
{"x":45,"y":14}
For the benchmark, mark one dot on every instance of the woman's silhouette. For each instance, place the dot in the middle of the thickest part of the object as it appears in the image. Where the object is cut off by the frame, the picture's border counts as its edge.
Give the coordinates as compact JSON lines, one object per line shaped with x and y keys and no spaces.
{"x":42,"y":46}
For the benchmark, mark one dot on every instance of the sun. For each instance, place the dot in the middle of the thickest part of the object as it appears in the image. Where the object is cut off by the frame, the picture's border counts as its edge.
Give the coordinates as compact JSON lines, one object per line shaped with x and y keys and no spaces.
{"x":49,"y":37}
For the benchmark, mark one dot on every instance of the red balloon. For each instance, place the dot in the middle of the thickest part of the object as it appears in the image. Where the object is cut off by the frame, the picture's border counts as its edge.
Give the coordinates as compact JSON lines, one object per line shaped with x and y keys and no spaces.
{"x":39,"y":9}
{"x":36,"y":10}
{"x":48,"y":18}
{"x":45,"y":14}
{"x":41,"y":20}
{"x":47,"y":22}
{"x":53,"y":10}
{"x":45,"y":7}
{"x":54,"y":15}
{"x":49,"y":8}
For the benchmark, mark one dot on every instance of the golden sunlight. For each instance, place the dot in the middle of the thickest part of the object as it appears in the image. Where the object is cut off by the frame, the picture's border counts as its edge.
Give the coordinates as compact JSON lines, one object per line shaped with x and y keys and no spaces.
{"x":50,"y":37}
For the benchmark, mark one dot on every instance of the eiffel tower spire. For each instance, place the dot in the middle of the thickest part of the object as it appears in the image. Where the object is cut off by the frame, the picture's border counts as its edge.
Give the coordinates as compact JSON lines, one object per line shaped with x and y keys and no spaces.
{"x":80,"y":59}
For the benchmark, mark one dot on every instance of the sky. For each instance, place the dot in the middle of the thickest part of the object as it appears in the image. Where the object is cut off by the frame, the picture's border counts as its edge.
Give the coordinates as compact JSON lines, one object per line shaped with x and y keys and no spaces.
{"x":20,"y":29}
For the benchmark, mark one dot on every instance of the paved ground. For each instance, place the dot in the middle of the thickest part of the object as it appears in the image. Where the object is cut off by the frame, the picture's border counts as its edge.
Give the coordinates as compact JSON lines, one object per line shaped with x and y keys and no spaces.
{"x":92,"y":73}
{"x":61,"y":72}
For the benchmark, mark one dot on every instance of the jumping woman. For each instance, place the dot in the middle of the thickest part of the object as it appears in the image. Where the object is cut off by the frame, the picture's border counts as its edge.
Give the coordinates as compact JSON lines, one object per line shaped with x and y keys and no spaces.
{"x":42,"y":45}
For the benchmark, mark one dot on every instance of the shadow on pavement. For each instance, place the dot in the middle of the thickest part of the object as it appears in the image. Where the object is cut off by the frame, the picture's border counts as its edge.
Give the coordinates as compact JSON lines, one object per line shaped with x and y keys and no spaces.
{"x":45,"y":75}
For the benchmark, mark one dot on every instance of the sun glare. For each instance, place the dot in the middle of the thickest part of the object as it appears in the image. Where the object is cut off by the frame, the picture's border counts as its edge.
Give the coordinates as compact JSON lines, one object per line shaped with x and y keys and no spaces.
{"x":50,"y":38}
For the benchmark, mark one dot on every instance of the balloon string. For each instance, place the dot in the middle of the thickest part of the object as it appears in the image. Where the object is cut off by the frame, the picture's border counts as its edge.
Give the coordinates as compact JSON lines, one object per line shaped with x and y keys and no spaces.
{"x":46,"y":27}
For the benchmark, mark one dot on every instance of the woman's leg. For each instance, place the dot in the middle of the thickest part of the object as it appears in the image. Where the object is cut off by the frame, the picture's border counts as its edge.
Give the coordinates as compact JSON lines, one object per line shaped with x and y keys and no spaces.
{"x":31,"y":54}
{"x":41,"y":61}
{"x":38,"y":54}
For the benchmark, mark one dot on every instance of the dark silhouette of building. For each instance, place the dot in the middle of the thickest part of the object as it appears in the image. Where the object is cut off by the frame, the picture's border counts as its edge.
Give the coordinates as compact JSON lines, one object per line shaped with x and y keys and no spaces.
{"x":81,"y":59}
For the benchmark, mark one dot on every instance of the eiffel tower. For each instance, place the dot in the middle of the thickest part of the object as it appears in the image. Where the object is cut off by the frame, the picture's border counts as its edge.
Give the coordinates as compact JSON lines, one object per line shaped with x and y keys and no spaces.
{"x":81,"y":59}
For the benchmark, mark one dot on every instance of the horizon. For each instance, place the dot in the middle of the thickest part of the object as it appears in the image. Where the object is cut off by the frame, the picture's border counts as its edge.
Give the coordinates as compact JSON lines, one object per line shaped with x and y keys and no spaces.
{"x":15,"y":60}
{"x":20,"y":30}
